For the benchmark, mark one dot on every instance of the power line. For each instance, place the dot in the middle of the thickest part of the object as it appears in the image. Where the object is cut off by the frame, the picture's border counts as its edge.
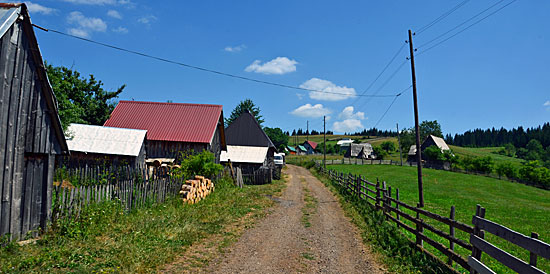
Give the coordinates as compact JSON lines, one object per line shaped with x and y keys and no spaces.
{"x":387,"y":81}
{"x":391,"y":104}
{"x":464,"y":29}
{"x":382,"y":72}
{"x":204,"y":69}
{"x":441,"y":17}
{"x":461,"y":24}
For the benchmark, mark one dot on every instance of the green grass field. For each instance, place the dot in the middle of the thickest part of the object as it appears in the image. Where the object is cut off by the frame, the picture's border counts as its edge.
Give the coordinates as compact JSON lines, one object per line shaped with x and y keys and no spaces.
{"x":522,"y":208}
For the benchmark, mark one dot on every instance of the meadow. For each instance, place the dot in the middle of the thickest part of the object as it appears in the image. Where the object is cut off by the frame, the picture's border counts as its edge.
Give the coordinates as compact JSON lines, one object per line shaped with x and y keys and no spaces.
{"x":522,"y":208}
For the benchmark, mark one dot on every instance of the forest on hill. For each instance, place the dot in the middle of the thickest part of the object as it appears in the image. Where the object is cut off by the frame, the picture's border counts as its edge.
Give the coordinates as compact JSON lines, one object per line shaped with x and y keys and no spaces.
{"x":519,"y":137}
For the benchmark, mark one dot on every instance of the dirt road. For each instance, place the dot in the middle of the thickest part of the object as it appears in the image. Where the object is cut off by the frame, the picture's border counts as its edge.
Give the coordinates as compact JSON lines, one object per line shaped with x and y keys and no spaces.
{"x":306,"y":232}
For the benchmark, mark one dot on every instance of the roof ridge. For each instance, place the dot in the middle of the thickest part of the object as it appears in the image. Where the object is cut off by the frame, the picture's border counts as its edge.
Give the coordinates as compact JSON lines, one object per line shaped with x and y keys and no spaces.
{"x":167,"y":103}
{"x":115,"y":128}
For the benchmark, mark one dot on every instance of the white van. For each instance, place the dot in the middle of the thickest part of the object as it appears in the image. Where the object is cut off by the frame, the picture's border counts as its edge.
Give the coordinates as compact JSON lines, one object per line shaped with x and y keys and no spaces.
{"x":279,"y":159}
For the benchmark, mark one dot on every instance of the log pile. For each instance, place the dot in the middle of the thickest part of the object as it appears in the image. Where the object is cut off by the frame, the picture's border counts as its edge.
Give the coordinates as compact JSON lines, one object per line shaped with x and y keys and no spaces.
{"x":195,"y":190}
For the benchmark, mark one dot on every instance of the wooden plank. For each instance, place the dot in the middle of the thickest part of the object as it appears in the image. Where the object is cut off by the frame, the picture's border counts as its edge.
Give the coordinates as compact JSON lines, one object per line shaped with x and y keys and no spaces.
{"x":503,"y":257}
{"x":532,"y":255}
{"x":452,"y":234}
{"x":479,"y":266}
{"x":38,"y":192}
{"x":26,"y":224}
{"x":461,"y":226}
{"x":534,"y":245}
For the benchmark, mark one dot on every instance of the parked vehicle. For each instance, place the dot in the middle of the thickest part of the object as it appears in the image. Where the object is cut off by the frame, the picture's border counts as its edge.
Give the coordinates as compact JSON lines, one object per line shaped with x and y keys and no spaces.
{"x":279,"y":159}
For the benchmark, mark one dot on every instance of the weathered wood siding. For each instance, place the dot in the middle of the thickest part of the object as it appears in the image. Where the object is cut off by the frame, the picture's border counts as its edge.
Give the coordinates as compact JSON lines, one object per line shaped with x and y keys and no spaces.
{"x":27,"y":139}
{"x":215,"y":145}
{"x":166,"y":149}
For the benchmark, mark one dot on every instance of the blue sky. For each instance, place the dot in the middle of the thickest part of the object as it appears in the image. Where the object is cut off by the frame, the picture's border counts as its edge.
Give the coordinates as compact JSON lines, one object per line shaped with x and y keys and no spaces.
{"x":494,"y":74}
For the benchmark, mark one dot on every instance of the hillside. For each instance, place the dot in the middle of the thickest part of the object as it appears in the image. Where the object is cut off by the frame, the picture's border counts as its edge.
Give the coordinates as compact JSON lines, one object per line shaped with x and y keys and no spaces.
{"x":519,"y":207}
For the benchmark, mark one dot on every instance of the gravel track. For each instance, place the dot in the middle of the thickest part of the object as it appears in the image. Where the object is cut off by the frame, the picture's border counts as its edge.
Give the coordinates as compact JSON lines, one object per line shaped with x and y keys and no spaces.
{"x":282,"y":243}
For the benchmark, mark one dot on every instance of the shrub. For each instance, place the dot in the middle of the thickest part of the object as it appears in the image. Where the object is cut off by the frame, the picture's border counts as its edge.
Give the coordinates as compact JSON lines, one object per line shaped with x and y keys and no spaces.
{"x":198,"y":164}
{"x":388,"y":146}
{"x":379,"y":152}
{"x":433,"y":153}
{"x":506,"y":169}
{"x":532,"y":171}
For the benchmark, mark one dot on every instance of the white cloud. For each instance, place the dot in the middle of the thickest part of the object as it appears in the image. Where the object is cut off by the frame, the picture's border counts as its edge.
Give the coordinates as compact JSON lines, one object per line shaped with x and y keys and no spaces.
{"x":37,"y":8}
{"x":351,"y":121}
{"x":122,"y":30}
{"x":147,"y":19}
{"x":308,"y":110}
{"x":547,"y":104}
{"x":85,"y":25}
{"x":300,"y":96}
{"x":114,"y":14}
{"x":329,"y":91}
{"x":99,"y":2}
{"x":79,"y":32}
{"x":347,"y":113}
{"x":235,"y":49}
{"x":279,"y":65}
{"x":349,"y":125}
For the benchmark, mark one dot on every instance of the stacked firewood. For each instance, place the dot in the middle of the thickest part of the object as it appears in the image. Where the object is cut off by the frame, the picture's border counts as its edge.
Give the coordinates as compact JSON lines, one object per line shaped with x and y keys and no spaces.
{"x":195,"y":190}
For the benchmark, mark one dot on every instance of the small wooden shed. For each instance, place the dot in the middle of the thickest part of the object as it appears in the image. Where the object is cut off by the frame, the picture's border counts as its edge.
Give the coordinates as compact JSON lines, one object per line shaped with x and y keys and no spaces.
{"x":109,"y":146}
{"x":31,"y":134}
{"x":310,"y":147}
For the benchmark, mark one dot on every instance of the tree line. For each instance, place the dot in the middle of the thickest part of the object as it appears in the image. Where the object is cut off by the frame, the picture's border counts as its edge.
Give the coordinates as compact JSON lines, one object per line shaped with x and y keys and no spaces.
{"x":519,"y":137}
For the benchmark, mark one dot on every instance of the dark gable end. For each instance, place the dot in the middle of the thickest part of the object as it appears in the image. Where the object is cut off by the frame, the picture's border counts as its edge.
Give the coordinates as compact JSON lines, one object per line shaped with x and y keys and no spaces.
{"x":245,"y":131}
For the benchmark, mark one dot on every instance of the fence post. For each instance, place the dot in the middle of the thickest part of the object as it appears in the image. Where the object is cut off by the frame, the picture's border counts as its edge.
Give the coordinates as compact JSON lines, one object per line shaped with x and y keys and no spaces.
{"x":397,"y":205}
{"x":377,"y":193}
{"x":358,"y":186}
{"x":419,"y":229}
{"x":476,"y":253}
{"x":384,"y":199}
{"x":533,"y":256}
{"x":452,"y":233}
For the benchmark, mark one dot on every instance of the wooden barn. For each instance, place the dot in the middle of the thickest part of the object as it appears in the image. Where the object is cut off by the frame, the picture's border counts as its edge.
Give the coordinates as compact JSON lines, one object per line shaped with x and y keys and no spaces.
{"x":173,"y":127}
{"x":431,"y":140}
{"x":110,"y":146}
{"x":248,"y":146}
{"x":361,"y":151}
{"x":31,"y":134}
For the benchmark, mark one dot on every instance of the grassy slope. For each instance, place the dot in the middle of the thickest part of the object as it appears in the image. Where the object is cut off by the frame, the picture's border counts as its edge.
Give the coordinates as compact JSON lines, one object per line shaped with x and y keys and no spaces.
{"x":485,"y":151}
{"x":519,"y":207}
{"x":106,"y":240}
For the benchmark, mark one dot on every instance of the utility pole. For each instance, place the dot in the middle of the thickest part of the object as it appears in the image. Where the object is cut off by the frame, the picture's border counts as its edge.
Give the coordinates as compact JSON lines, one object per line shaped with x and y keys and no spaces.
{"x":399,"y":145}
{"x":307,"y":131}
{"x":416,"y":126}
{"x":324,"y":142}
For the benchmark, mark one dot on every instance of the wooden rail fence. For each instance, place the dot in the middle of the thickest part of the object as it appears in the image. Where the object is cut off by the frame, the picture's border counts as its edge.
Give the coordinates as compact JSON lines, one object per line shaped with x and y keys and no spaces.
{"x":380,"y":196}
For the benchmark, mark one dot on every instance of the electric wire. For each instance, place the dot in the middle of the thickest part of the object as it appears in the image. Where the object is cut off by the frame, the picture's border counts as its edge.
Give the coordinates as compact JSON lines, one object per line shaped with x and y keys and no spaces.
{"x":464,"y":29}
{"x":441,"y":17}
{"x":389,"y":107}
{"x":382,"y":72}
{"x":202,"y":68}
{"x":459,"y":25}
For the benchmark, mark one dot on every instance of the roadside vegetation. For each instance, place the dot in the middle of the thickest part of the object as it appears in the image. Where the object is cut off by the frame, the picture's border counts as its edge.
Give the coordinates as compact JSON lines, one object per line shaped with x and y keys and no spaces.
{"x":105,"y":239}
{"x":521,"y":208}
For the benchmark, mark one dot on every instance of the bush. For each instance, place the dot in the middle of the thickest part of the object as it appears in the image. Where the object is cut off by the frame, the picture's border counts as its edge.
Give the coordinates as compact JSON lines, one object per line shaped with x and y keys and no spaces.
{"x":433,"y":153}
{"x":479,"y":164}
{"x":532,"y":171}
{"x":506,"y":169}
{"x":388,"y":146}
{"x":379,"y":152}
{"x":202,"y":163}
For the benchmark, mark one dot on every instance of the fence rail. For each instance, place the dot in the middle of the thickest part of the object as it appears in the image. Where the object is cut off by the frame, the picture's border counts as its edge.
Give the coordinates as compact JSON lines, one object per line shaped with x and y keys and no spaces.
{"x":379,"y":195}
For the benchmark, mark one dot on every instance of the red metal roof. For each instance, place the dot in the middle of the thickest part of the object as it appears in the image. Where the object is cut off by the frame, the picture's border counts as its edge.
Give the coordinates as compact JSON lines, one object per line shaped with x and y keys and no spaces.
{"x":194,"y":123}
{"x":312,"y":144}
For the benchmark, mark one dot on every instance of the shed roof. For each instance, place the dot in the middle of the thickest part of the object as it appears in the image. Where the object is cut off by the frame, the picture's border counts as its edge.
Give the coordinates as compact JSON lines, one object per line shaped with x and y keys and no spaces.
{"x":244,"y":154}
{"x":9,"y":14}
{"x":105,"y":140}
{"x":302,"y":148}
{"x":291,"y":148}
{"x":412,"y":150}
{"x":246,"y":131}
{"x":311,"y":143}
{"x":439,"y":142}
{"x":356,"y":149}
{"x":193,"y":123}
{"x":344,"y":142}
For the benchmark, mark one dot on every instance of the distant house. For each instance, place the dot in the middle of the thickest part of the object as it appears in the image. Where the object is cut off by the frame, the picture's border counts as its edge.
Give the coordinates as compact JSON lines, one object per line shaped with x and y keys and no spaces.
{"x":344,"y":144}
{"x":31,"y":135}
{"x":248,"y":146}
{"x":113,"y":146}
{"x":301,"y":150}
{"x":173,"y":128}
{"x":431,"y":140}
{"x":310,"y":147}
{"x":361,"y":151}
{"x":291,"y":150}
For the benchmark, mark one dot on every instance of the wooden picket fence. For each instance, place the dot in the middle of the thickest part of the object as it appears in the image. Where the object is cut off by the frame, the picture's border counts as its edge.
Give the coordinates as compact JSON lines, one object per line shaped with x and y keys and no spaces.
{"x":68,"y":201}
{"x":380,"y":196}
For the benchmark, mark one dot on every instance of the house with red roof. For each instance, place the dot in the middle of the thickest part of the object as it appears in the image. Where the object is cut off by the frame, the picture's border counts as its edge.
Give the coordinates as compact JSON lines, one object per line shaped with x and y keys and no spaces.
{"x":310,"y":147}
{"x":173,"y":127}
